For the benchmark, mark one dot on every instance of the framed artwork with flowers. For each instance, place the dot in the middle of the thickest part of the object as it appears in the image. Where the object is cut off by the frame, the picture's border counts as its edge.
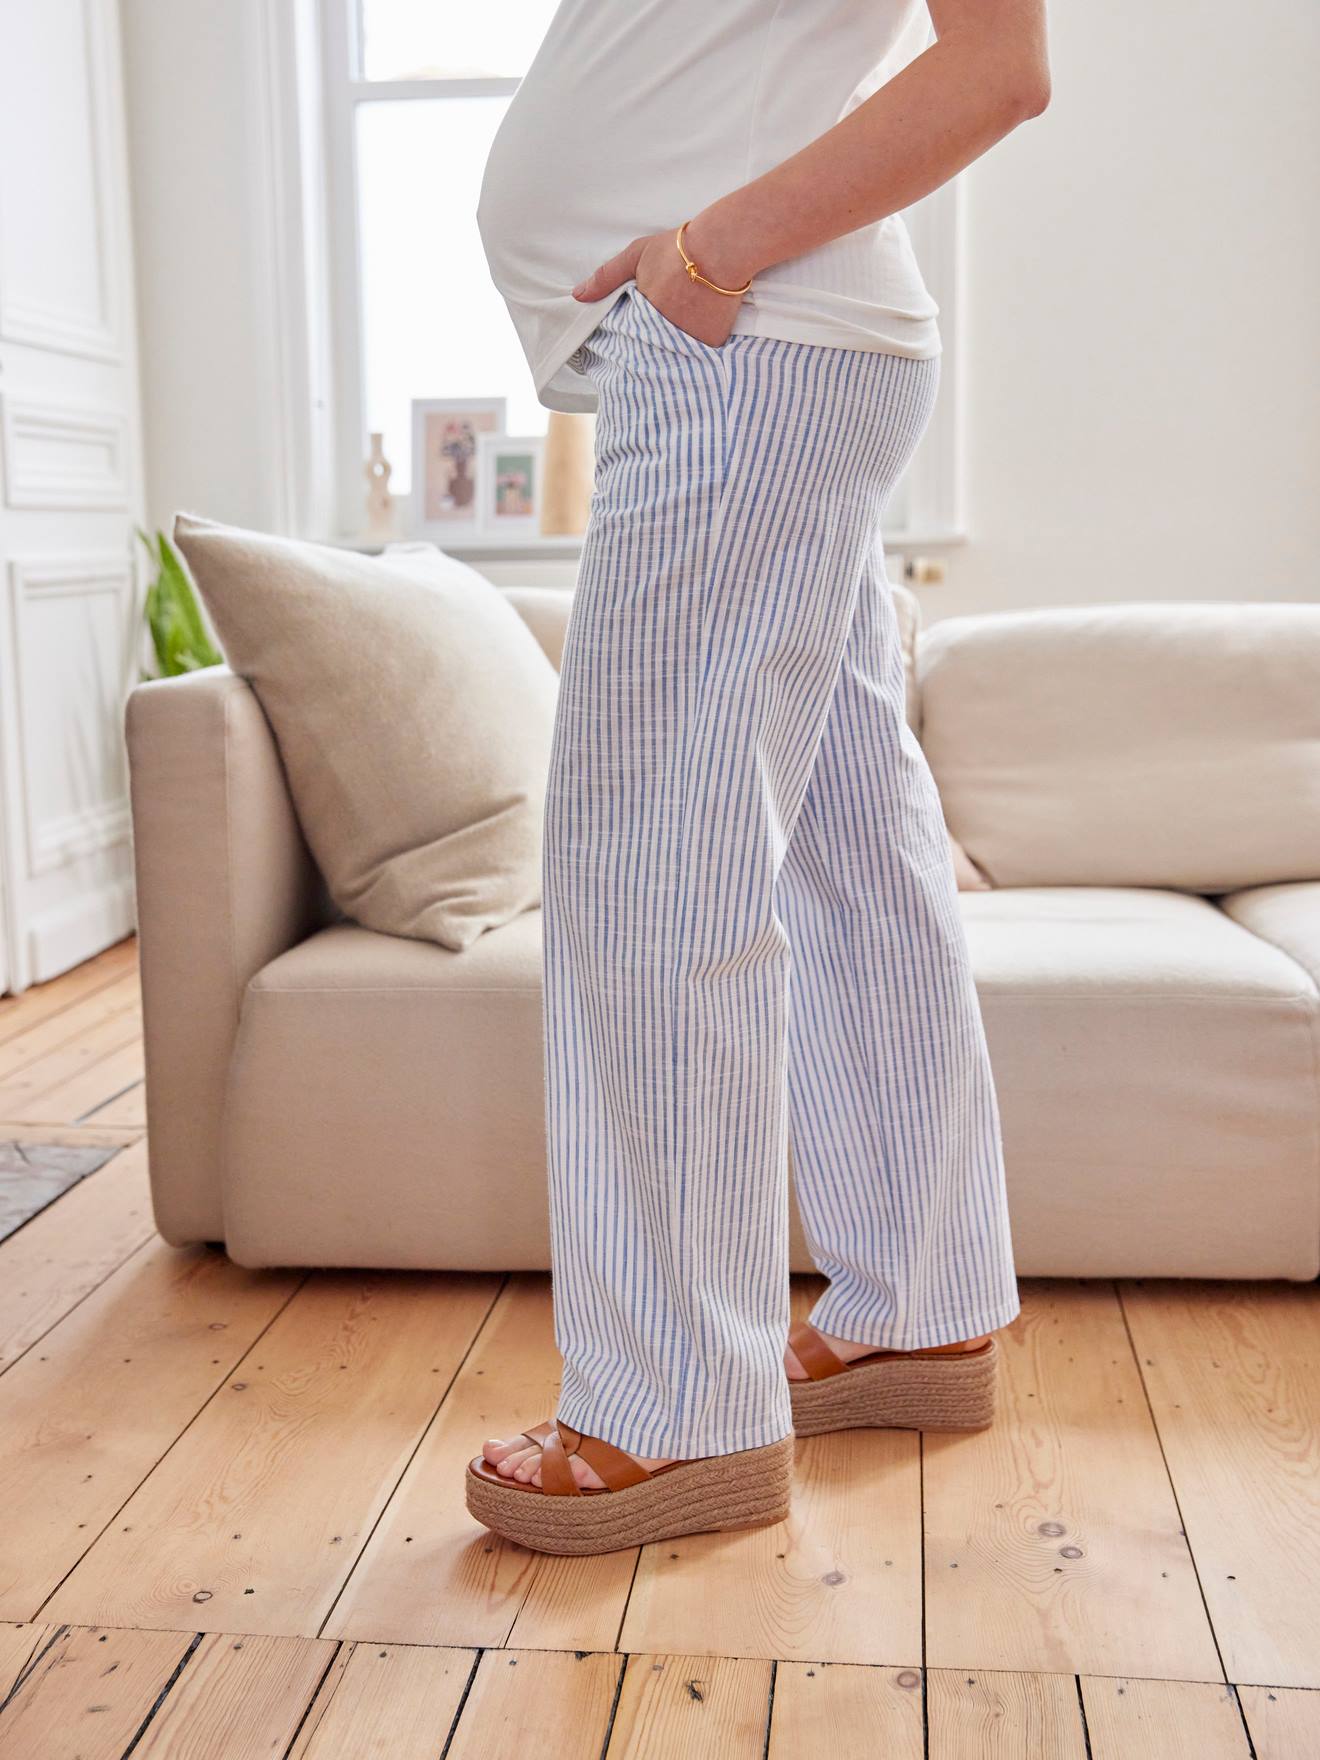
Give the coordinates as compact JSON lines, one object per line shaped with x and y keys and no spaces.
{"x":448,"y":492}
{"x":510,"y":471}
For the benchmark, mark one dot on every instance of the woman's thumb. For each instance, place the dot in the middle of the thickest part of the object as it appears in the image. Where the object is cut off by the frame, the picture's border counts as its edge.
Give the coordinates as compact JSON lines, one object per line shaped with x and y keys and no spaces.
{"x":611,"y":274}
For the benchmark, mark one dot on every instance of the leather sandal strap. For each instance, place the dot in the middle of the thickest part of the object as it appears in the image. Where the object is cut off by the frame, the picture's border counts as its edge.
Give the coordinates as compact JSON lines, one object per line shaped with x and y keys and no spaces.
{"x":616,"y":1468}
{"x":557,"y":1476}
{"x":813,"y":1353}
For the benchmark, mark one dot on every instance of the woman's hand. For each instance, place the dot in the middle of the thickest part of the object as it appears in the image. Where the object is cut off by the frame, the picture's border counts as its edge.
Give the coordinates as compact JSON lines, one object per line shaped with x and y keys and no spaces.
{"x":658,"y":269}
{"x":986,"y":72}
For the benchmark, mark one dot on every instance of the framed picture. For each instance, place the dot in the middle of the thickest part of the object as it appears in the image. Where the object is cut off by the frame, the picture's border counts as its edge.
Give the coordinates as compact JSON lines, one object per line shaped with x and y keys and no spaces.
{"x":511,"y":471}
{"x":447,"y":487}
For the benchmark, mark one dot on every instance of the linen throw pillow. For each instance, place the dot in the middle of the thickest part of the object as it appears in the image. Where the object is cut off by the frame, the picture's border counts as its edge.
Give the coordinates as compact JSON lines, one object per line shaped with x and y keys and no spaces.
{"x":970,"y":878}
{"x":413,"y":710}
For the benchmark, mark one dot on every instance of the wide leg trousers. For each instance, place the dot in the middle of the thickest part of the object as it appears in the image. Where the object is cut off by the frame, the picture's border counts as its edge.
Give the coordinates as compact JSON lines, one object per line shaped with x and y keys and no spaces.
{"x":751,"y":924}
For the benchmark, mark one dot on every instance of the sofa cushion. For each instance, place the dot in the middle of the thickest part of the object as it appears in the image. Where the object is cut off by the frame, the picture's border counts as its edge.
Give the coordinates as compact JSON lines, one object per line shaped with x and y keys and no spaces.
{"x":413,"y":709}
{"x":1154,"y":1060}
{"x":1156,"y":1068}
{"x":397,"y":1089}
{"x":1173,"y":745}
{"x":545,"y":611}
{"x":386,"y":1106}
{"x":1286,"y":916}
{"x":970,"y":878}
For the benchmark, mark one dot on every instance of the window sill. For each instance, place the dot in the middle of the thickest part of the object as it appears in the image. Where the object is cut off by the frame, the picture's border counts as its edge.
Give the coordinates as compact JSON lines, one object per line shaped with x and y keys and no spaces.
{"x":545,"y":549}
{"x":541,"y":549}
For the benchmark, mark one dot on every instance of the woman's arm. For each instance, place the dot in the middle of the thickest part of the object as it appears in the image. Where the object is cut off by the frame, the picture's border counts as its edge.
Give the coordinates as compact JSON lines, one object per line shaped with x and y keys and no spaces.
{"x":986,"y":72}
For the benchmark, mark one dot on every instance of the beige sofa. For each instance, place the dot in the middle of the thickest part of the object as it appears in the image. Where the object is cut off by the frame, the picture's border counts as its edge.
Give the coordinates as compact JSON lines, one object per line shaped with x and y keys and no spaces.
{"x":1142,"y":783}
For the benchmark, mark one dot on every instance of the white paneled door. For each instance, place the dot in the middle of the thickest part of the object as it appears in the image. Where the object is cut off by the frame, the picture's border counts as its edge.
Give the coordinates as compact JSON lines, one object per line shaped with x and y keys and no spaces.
{"x":70,"y":487}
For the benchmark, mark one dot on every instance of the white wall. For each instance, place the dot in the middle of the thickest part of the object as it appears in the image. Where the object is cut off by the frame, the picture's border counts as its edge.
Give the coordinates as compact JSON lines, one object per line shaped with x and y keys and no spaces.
{"x":1142,"y":291}
{"x":197,"y":147}
{"x":1142,"y":273}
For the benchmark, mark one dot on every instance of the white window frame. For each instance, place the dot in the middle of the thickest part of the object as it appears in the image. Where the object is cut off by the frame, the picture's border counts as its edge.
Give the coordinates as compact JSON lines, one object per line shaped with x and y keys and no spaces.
{"x":345,"y":91}
{"x":930,"y":508}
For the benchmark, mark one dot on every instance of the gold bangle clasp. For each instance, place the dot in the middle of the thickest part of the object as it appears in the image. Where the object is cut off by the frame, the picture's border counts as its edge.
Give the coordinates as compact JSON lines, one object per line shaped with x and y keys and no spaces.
{"x":694,"y":274}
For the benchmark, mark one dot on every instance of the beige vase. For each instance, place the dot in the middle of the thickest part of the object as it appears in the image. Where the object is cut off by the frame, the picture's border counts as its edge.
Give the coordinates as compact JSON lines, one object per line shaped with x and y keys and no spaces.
{"x":569,"y":468}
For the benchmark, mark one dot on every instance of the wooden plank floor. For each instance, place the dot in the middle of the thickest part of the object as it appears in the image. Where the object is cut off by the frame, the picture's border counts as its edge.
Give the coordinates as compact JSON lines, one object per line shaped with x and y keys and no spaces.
{"x":232,"y":1520}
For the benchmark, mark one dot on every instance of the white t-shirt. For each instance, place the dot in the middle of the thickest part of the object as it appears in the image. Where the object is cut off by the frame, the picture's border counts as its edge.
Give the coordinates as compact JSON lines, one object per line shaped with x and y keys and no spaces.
{"x":635,"y":114}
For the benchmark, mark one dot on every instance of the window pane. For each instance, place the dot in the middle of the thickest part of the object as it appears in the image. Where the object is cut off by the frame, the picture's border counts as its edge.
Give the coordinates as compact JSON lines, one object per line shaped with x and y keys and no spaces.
{"x":433,"y":324}
{"x":426,"y":39}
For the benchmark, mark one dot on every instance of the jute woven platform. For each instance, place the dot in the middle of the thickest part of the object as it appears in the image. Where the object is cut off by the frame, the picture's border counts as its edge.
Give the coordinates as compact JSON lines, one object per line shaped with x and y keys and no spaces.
{"x":747,"y":1489}
{"x":955,"y":1392}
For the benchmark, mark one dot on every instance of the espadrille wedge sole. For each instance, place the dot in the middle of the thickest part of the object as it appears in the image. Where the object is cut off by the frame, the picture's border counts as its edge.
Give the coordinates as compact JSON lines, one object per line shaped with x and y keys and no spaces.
{"x":747,"y":1489}
{"x":951,"y":1391}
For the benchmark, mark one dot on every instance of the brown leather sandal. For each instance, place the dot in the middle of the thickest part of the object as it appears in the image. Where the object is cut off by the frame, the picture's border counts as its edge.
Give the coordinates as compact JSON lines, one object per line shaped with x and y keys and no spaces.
{"x":942,"y":1388}
{"x":748,"y":1488}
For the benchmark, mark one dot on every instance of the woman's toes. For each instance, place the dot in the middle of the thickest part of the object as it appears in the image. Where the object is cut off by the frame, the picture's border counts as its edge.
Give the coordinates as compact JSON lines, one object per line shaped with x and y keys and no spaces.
{"x":517,"y":1458}
{"x":508,"y":1462}
{"x":529,"y":1471}
{"x":792,"y":1366}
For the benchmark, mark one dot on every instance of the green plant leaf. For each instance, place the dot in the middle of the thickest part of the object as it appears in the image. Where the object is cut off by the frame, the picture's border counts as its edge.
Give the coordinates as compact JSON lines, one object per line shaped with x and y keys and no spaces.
{"x":178,"y":632}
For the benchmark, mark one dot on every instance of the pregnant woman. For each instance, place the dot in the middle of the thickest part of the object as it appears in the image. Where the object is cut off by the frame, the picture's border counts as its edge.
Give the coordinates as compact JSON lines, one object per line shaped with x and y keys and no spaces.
{"x":751,"y":924}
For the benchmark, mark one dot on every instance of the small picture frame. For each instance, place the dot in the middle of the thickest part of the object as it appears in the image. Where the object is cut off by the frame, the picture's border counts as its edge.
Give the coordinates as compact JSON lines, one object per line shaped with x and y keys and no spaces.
{"x":511,"y":471}
{"x":448,"y":489}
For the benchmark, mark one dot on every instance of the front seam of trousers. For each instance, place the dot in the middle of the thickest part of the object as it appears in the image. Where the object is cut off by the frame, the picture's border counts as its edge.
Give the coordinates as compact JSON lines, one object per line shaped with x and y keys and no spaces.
{"x":751,"y":926}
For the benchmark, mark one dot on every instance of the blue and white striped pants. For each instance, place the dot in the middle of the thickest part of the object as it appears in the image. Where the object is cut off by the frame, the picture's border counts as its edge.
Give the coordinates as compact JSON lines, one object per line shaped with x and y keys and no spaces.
{"x":751,"y":925}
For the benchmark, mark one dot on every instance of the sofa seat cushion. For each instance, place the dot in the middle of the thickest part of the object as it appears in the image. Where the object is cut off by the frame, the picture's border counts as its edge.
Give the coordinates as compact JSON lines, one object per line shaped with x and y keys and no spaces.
{"x":1155,"y":1062}
{"x":386,"y":1106}
{"x":1166,"y":745}
{"x":1288,"y":917}
{"x":1156,"y":1066}
{"x":395,"y":1089}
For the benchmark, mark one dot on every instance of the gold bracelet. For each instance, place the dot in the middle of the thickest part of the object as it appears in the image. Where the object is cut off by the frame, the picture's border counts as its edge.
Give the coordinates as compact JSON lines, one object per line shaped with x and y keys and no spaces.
{"x":694,"y":274}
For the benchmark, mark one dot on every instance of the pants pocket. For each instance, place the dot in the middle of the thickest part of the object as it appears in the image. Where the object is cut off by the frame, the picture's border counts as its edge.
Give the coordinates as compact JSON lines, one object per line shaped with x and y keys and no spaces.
{"x":685,"y":337}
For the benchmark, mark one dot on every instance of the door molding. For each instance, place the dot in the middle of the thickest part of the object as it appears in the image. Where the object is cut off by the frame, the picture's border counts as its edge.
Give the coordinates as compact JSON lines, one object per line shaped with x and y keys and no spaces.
{"x":97,"y":333}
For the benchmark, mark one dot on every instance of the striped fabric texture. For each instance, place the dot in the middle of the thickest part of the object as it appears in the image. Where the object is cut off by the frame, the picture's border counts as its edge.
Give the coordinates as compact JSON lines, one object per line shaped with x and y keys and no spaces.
{"x":751,"y":924}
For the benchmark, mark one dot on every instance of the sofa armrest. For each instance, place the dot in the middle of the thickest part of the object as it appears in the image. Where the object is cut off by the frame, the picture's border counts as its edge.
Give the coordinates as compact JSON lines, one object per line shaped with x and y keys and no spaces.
{"x":224,"y":883}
